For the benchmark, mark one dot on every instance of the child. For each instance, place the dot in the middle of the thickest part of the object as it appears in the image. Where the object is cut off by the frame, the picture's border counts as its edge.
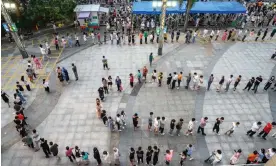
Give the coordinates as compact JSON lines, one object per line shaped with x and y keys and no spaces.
{"x":162,"y":126}
{"x":150,"y":121}
{"x":111,"y":123}
{"x":168,"y":156}
{"x":46,"y":85}
{"x":103,"y":117}
{"x":123,"y":117}
{"x":183,"y":157}
{"x":189,"y":151}
{"x":140,"y":155}
{"x":190,"y":127}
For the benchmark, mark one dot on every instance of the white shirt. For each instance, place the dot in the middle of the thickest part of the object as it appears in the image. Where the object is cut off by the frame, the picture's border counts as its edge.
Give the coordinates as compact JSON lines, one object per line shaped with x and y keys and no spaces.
{"x":255,"y":127}
{"x":156,"y":123}
{"x":234,"y":126}
{"x":205,"y":31}
{"x":195,"y":78}
{"x":218,"y":32}
{"x":229,"y":80}
{"x":212,"y":33}
{"x":175,"y":77}
{"x":42,"y":50}
{"x":191,"y":125}
{"x":195,"y":34}
{"x":217,"y":157}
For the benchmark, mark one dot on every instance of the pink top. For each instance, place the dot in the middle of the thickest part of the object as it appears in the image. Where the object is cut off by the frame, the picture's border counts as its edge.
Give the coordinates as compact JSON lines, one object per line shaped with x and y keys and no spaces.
{"x":69,"y":152}
{"x":168,"y":157}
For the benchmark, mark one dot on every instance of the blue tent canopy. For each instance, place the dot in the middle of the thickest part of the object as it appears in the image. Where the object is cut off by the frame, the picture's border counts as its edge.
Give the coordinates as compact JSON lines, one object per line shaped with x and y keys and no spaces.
{"x":146,"y":7}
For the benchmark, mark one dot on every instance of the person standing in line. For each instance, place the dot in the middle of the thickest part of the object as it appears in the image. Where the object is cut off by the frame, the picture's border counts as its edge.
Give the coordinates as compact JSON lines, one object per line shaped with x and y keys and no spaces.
{"x":145,"y":72}
{"x":160,"y":77}
{"x":140,"y":155}
{"x":99,"y":38}
{"x":20,"y":95}
{"x":74,"y":68}
{"x":133,"y":38}
{"x":151,"y":38}
{"x":191,"y":126}
{"x":210,"y":81}
{"x":104,"y":81}
{"x":179,"y":79}
{"x":106,"y":157}
{"x":135,"y":118}
{"x":105,"y":63}
{"x":249,"y":84}
{"x":195,"y":81}
{"x":162,"y":125}
{"x":217,"y":124}
{"x":48,"y":48}
{"x":272,"y":33}
{"x":156,"y":151}
{"x":232,"y":129}
{"x":224,"y":36}
{"x":202,"y":124}
{"x":141,"y":37}
{"x":255,"y":127}
{"x":43,"y":52}
{"x":172,"y":36}
{"x":245,"y":34}
{"x":56,"y":44}
{"x":26,"y":83}
{"x":19,"y":87}
{"x":45,"y":147}
{"x":104,"y":117}
{"x":175,"y":77}
{"x":188,"y":80}
{"x":217,"y":35}
{"x":146,"y":37}
{"x":109,"y":82}
{"x":63,"y":42}
{"x":110,"y":122}
{"x":36,"y":139}
{"x":84,"y":37}
{"x":265,"y":33}
{"x":230,"y":34}
{"x":258,"y":34}
{"x":78,"y":155}
{"x":179,"y":126}
{"x":150,"y":59}
{"x":189,"y":150}
{"x":131,"y":156}
{"x":168,"y":156}
{"x":118,"y":122}
{"x":131,"y":80}
{"x":104,"y":37}
{"x":257,"y":83}
{"x":183,"y":157}
{"x":69,"y":153}
{"x":77,"y":40}
{"x":235,"y":158}
{"x":156,"y":125}
{"x":116,"y":156}
{"x":228,"y":83}
{"x":5,"y":98}
{"x":154,"y":76}
{"x":97,"y":155}
{"x":194,"y":36}
{"x":28,"y":141}
{"x":118,"y":83}
{"x":237,"y":82}
{"x":139,"y":76}
{"x":150,"y":121}
{"x":252,"y":157}
{"x":269,"y":83}
{"x":111,"y":38}
{"x":149,"y":155}
{"x":177,"y":35}
{"x":169,"y":80}
{"x":172,"y":125}
{"x":268,"y":127}
{"x":220,"y":84}
{"x":212,"y":34}
{"x":46,"y":85}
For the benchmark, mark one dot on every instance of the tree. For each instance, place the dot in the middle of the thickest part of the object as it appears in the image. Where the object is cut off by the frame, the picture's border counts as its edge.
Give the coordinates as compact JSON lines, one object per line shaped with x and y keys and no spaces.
{"x":189,"y":5}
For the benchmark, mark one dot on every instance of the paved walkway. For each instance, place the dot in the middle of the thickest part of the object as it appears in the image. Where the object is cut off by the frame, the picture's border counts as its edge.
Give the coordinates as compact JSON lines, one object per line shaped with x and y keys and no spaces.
{"x":73,"y":122}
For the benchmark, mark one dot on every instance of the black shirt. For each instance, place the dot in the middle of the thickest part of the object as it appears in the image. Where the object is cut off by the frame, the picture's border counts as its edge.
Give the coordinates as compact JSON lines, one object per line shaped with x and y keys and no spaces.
{"x":135,"y":120}
{"x":140,"y":153}
{"x":131,"y":155}
{"x":258,"y":80}
{"x":172,"y":125}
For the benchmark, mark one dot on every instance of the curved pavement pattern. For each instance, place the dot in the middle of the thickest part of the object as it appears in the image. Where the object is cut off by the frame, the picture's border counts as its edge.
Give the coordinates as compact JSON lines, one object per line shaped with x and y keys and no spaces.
{"x":246,"y":59}
{"x":72,"y":121}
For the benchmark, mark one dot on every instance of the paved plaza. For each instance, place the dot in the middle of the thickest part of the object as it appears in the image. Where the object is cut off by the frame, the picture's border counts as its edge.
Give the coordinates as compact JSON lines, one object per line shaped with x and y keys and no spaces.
{"x":72,"y":120}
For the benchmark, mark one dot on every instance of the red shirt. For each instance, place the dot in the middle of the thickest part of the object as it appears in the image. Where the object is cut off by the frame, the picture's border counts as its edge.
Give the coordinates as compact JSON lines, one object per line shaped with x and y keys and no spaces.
{"x":131,"y":79}
{"x":20,"y":117}
{"x":69,"y":152}
{"x":267,"y":128}
{"x":145,"y":71}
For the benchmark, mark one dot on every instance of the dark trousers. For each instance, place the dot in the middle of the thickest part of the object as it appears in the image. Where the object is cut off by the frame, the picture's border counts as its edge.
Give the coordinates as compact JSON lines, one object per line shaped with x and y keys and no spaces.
{"x":118,"y":87}
{"x":57,"y":47}
{"x":154,"y":160}
{"x":139,"y":80}
{"x":256,"y":38}
{"x":131,"y":84}
{"x":267,"y":85}
{"x":178,"y":81}
{"x":46,"y":151}
{"x":188,"y":83}
{"x":105,"y":90}
{"x":251,"y":133}
{"x":248,"y":86}
{"x":99,"y":161}
{"x":70,"y":157}
{"x":31,"y":145}
{"x":262,"y":133}
{"x":161,"y":130}
{"x":141,"y":41}
{"x":173,"y":84}
{"x":243,"y":38}
{"x":157,"y":39}
{"x":77,"y":43}
{"x":140,"y":159}
{"x":263,"y":37}
{"x":216,"y":128}
{"x":177,"y":37}
{"x":105,"y":66}
{"x":146,"y":40}
{"x":209,"y":85}
{"x":118,"y":125}
{"x":255,"y":88}
{"x":104,"y":120}
{"x":216,"y":37}
{"x":202,"y":130}
{"x":148,"y":160}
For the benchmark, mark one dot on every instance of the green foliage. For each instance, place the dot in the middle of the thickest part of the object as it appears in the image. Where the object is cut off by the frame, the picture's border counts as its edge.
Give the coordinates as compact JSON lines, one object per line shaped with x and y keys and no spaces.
{"x":49,"y":10}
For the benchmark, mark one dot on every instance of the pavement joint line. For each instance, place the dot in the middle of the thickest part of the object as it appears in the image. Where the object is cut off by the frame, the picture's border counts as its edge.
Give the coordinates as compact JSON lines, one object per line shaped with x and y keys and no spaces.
{"x":13,"y":75}
{"x":5,"y":64}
